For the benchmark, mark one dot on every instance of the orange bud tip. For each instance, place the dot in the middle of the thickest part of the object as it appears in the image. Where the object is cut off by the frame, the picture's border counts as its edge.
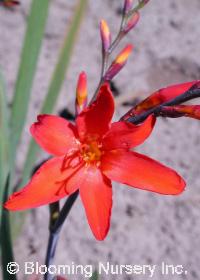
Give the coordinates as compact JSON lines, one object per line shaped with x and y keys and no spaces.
{"x":132,"y":22}
{"x":81,"y":92}
{"x":124,"y":54}
{"x":118,"y":63}
{"x":105,"y":35}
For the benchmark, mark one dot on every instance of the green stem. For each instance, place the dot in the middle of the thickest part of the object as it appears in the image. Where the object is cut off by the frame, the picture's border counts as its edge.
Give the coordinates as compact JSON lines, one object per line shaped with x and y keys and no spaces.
{"x":55,"y":229}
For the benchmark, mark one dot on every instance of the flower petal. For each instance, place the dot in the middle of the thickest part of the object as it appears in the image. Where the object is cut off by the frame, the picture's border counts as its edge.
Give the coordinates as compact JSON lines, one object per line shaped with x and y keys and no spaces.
{"x":141,"y":172}
{"x":95,"y":119}
{"x":47,"y":185}
{"x":127,"y":135}
{"x":54,"y":134}
{"x":96,"y":194}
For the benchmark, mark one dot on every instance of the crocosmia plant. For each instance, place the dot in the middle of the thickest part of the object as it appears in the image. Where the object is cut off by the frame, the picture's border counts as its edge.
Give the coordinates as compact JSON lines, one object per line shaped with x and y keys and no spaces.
{"x":90,"y":150}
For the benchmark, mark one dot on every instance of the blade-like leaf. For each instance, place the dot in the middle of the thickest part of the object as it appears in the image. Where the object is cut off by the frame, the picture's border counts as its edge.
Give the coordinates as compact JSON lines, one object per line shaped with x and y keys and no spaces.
{"x":6,"y":246}
{"x":29,"y":57}
{"x":95,"y":276}
{"x":4,"y":140}
{"x":57,"y":80}
{"x":6,"y":240}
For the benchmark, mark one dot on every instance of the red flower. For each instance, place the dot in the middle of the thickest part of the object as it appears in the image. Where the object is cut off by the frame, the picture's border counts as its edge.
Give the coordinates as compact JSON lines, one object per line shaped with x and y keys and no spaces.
{"x":87,"y":157}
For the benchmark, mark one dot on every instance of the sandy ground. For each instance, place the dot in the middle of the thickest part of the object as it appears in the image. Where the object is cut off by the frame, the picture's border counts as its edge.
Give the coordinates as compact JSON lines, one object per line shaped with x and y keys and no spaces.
{"x":146,"y":228}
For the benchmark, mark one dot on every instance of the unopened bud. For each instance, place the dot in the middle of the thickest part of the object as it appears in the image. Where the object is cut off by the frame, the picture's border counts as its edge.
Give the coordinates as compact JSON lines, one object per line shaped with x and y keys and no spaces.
{"x":132,"y":22}
{"x":191,"y":111}
{"x":81,"y":93}
{"x":118,"y":63}
{"x":127,"y":6}
{"x":196,"y":85}
{"x":105,"y":35}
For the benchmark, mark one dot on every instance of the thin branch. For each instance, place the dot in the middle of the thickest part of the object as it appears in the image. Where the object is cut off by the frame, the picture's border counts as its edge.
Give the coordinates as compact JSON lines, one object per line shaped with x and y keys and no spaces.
{"x":119,"y":36}
{"x":55,"y":230}
{"x":51,"y":249}
{"x":65,"y":211}
{"x":106,"y":55}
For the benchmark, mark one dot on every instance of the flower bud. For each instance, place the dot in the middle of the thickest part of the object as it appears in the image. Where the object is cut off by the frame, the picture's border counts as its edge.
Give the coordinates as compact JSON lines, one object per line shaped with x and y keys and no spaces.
{"x":161,"y":96}
{"x":81,"y":93}
{"x":127,"y":6}
{"x":118,"y":63}
{"x":191,"y":111}
{"x":105,"y":35}
{"x":132,"y":22}
{"x":196,"y":85}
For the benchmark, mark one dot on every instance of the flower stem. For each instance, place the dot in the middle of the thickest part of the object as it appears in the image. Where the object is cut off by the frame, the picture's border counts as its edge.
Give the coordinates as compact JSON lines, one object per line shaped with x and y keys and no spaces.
{"x":55,"y":228}
{"x":106,"y":55}
{"x":51,"y":249}
{"x":120,"y":34}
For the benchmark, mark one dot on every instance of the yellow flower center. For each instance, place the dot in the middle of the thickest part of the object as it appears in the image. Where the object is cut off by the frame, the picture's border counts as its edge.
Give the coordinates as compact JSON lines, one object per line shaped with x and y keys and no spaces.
{"x":91,"y":152}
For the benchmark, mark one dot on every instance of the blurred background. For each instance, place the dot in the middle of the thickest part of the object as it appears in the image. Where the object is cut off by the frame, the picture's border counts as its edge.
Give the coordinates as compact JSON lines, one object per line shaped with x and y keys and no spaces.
{"x":146,"y":228}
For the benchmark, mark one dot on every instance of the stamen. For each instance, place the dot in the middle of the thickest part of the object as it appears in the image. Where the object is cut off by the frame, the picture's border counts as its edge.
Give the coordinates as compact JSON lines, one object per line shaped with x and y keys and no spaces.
{"x":91,"y":151}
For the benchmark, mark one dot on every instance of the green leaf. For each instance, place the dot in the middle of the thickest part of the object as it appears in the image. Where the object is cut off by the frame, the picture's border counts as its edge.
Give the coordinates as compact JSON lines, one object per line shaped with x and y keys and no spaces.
{"x":4,"y":140}
{"x":17,"y":220}
{"x":6,"y":246}
{"x":57,"y":80}
{"x":29,"y":58}
{"x":95,"y":276}
{"x":6,"y":240}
